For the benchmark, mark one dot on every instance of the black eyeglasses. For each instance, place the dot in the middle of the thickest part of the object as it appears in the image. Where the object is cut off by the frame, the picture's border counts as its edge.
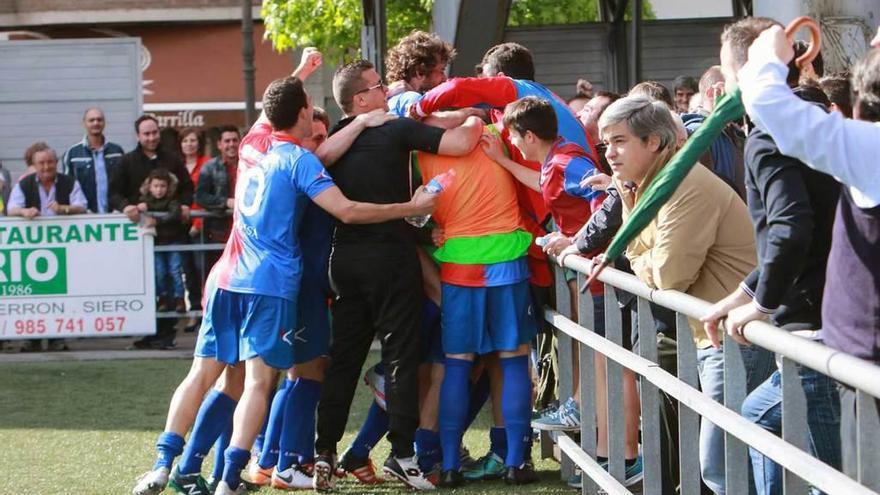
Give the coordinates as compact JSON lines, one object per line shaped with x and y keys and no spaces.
{"x":378,"y":85}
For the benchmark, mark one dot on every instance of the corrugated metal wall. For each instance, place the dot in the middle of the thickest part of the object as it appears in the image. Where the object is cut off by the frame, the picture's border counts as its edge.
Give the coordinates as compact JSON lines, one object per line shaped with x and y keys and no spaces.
{"x":46,"y":85}
{"x":563,"y":54}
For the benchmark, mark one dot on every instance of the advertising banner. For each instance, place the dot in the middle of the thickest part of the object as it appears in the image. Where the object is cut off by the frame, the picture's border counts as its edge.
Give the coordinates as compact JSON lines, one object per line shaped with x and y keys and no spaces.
{"x":75,"y":276}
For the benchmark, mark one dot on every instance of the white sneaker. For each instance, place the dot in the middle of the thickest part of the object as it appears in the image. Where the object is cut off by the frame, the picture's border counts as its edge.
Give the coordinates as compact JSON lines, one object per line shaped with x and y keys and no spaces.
{"x":407,"y":470}
{"x":292,"y":478}
{"x":151,"y":482}
{"x":223,"y":489}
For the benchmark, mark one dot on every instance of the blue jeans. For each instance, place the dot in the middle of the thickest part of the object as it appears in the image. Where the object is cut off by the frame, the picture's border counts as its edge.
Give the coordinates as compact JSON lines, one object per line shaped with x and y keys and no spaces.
{"x":169,"y":274}
{"x":764,"y":407}
{"x":759,"y":365}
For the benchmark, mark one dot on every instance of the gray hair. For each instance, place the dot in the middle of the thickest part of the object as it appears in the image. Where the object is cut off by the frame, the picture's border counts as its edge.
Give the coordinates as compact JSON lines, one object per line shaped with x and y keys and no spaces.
{"x":866,"y":86}
{"x":643,"y":117}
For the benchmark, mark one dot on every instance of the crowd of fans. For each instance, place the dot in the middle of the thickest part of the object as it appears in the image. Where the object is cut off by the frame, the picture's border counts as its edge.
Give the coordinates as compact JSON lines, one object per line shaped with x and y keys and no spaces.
{"x":771,"y":226}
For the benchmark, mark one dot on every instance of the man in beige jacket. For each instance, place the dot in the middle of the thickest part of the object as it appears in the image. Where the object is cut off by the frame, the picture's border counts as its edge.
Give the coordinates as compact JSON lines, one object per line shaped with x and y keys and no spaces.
{"x":701,"y":243}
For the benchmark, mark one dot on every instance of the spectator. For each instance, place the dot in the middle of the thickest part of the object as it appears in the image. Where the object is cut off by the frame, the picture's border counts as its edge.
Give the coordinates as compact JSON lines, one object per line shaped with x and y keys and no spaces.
{"x":811,"y":73}
{"x":5,"y":187}
{"x":215,"y":190}
{"x":92,"y":161}
{"x":683,"y":88}
{"x":158,"y":194}
{"x":192,"y":148}
{"x":701,"y":243}
{"x":655,"y":91}
{"x":583,"y":94}
{"x":792,"y":208}
{"x":589,"y":117}
{"x":125,"y":184}
{"x":45,"y":192}
{"x":137,"y":164}
{"x":844,"y":149}
{"x":725,"y":154}
{"x":839,"y":91}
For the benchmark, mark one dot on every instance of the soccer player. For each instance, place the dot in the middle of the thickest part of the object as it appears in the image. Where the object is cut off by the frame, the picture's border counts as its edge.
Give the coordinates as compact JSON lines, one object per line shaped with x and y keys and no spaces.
{"x":375,"y":271}
{"x":486,"y":301}
{"x":252,"y":291}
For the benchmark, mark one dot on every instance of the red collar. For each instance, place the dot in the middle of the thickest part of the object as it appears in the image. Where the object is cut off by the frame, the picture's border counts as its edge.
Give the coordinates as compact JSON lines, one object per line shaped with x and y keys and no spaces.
{"x":280,"y":136}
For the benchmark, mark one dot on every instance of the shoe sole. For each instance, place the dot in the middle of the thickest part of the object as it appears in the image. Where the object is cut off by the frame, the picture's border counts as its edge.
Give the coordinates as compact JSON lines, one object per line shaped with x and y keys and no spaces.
{"x":280,"y":485}
{"x":635,"y":479}
{"x":543,"y":427}
{"x":323,"y":478}
{"x":405,"y":480}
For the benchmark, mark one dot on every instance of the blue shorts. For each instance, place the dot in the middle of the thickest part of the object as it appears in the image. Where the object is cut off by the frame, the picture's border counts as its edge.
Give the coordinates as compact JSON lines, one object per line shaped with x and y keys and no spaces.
{"x":481,"y":320}
{"x":432,"y":343}
{"x":313,"y":336}
{"x":237,"y":327}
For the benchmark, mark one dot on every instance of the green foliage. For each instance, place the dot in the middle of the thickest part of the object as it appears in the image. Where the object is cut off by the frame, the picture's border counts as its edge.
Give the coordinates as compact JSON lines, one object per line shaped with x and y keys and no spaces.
{"x":550,"y":12}
{"x":334,"y":26}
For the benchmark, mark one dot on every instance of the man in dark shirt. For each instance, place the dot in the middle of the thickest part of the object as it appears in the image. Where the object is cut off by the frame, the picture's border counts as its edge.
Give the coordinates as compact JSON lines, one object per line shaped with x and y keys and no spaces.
{"x":136,"y":165}
{"x":125,"y":184}
{"x":375,"y":272}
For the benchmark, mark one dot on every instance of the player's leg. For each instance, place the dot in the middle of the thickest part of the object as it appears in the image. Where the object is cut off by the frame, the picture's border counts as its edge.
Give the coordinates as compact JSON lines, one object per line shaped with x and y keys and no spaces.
{"x":214,"y":416}
{"x":260,"y":472}
{"x":352,"y":336}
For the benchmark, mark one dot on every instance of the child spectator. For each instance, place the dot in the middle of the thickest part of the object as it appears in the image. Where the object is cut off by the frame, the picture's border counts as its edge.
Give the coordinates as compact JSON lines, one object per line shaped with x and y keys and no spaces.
{"x":158,"y":195}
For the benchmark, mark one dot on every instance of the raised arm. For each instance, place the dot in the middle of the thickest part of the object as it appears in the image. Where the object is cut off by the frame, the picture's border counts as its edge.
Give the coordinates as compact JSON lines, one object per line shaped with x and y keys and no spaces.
{"x":826,"y":142}
{"x":461,"y":140}
{"x":493,"y":147}
{"x":309,"y":62}
{"x":466,"y":92}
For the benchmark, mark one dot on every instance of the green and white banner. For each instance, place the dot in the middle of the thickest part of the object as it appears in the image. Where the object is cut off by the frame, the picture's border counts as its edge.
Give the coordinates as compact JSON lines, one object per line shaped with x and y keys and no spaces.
{"x":76,"y":276}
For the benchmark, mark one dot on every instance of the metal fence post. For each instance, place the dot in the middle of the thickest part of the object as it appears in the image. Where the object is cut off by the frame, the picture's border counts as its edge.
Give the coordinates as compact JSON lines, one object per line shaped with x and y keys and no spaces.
{"x":794,"y":420}
{"x":868,"y":434}
{"x":736,"y":454}
{"x":564,"y":354}
{"x":586,"y":319}
{"x":614,"y":374}
{"x":650,"y":400}
{"x":688,"y":420}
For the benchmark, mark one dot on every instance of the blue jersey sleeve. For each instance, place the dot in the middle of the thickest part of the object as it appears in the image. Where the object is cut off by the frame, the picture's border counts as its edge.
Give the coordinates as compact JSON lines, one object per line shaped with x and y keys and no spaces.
{"x":310,"y":177}
{"x":576,"y":170}
{"x":399,"y":104}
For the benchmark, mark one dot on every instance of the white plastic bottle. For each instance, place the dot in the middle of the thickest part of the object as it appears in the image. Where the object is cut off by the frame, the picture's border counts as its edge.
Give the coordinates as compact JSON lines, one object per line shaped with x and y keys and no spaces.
{"x":434,"y":186}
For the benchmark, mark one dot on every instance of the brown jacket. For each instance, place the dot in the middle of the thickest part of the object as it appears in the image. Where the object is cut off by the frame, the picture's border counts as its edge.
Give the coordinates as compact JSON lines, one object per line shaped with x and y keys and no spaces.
{"x":701,"y":243}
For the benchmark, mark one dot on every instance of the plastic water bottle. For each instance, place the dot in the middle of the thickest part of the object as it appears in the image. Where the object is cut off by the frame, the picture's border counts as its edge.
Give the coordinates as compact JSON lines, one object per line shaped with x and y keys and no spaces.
{"x":542,"y":241}
{"x":434,"y":186}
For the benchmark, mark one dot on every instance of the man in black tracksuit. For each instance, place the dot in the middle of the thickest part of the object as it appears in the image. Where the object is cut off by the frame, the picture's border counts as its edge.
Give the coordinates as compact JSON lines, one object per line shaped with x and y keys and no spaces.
{"x":375,"y":272}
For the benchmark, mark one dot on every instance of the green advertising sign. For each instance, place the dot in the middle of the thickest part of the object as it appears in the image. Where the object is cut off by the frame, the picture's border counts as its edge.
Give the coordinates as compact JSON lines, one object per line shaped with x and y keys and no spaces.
{"x":33,"y":272}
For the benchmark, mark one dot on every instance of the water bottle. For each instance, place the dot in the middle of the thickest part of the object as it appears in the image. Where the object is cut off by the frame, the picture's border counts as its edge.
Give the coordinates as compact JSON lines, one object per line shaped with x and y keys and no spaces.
{"x":434,"y":186}
{"x":542,"y":241}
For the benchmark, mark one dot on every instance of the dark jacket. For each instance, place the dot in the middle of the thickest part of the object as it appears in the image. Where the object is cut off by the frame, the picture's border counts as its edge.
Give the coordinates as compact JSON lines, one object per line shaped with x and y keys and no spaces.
{"x":725,"y":154}
{"x":792,"y":208}
{"x":169,"y":228}
{"x":212,"y":191}
{"x":603,"y":224}
{"x":30,"y":188}
{"x":133,"y":169}
{"x":79,"y":162}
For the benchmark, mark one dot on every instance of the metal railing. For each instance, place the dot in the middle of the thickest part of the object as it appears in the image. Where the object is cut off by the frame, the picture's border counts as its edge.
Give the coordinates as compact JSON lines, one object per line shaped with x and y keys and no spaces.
{"x":790,"y":451}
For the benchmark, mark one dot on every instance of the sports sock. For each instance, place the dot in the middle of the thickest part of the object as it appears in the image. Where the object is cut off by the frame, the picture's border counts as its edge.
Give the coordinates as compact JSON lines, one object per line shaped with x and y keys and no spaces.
{"x":214,"y":414}
{"x":427,"y":449}
{"x":299,"y":414}
{"x":516,"y":395}
{"x":274,"y":426}
{"x":236,"y":459}
{"x":453,"y":410}
{"x":479,"y":395}
{"x":374,"y":428}
{"x":306,"y":442}
{"x":498,"y":441}
{"x":219,"y":448}
{"x":169,"y":445}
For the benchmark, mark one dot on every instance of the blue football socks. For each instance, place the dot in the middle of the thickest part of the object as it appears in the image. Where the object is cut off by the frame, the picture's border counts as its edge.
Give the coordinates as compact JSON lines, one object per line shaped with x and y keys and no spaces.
{"x":427,"y":449}
{"x":219,"y":448}
{"x":274,"y":426}
{"x":516,"y":398}
{"x":169,"y":445}
{"x":214,"y":415}
{"x":236,"y":459}
{"x":374,"y":428}
{"x":453,"y":410}
{"x":299,"y":415}
{"x":498,"y":441}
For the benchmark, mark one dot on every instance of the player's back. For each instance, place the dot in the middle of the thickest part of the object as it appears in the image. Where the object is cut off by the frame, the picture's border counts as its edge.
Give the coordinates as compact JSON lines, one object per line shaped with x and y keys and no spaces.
{"x":569,"y":127}
{"x":262,"y":255}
